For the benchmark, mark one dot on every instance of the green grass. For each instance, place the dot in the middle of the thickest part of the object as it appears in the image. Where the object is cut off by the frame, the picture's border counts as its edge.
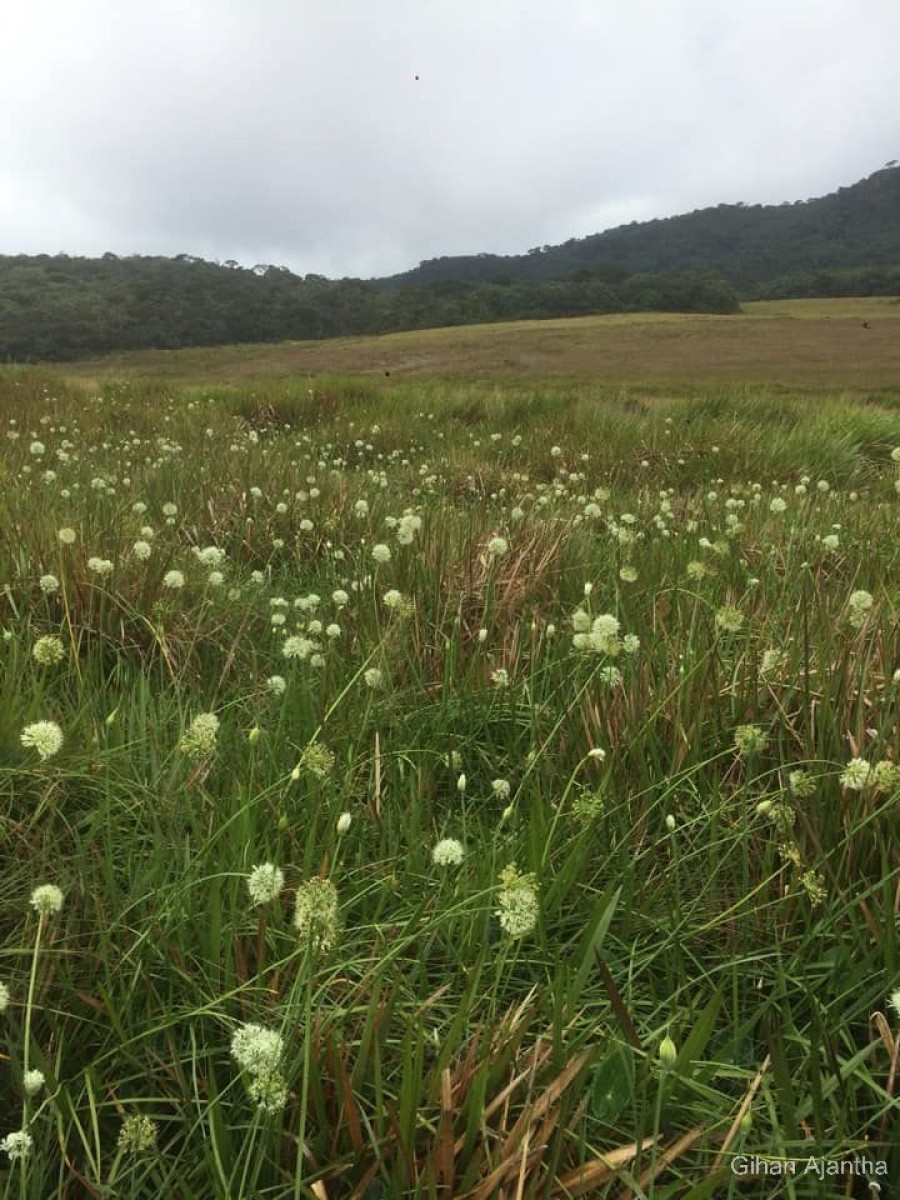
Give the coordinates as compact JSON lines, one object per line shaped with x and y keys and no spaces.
{"x":673,"y":886}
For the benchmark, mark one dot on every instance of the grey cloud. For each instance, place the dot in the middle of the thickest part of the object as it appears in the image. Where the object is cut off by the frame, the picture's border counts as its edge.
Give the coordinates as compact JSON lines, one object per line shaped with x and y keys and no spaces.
{"x":298,"y":133}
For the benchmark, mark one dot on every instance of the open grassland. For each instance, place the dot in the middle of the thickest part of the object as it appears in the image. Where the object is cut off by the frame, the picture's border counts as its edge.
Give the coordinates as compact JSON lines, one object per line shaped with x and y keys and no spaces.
{"x":812,"y":344}
{"x":452,"y":788}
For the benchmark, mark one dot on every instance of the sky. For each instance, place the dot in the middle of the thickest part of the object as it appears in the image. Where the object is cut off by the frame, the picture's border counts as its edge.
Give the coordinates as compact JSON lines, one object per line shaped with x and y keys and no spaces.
{"x":359,"y":137}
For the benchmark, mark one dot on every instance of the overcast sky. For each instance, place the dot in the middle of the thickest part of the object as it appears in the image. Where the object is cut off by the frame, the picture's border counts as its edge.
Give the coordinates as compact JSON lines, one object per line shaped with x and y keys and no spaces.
{"x":297,"y":133}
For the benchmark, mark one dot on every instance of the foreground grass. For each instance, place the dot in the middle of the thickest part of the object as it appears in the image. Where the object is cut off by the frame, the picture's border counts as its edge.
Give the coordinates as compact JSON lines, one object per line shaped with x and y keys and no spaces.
{"x":629,"y":648}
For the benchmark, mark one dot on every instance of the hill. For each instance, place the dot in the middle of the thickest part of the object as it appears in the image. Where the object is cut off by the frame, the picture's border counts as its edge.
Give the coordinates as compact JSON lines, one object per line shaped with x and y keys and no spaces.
{"x":846,"y":239}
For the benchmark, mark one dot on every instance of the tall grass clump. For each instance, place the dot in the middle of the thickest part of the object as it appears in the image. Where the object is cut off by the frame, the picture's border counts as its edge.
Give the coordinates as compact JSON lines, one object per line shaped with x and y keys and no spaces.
{"x":445,"y":792}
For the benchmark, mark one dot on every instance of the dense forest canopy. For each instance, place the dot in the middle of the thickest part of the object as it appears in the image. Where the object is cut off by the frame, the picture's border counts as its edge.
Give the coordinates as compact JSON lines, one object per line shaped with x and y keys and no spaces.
{"x":61,"y":307}
{"x":748,"y":245}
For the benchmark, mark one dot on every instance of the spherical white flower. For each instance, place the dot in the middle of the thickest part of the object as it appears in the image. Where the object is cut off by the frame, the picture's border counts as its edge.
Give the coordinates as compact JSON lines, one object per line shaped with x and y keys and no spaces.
{"x":277,"y":685}
{"x":48,"y":584}
{"x":257,"y":1049}
{"x":381,"y":553}
{"x":374,"y":678}
{"x":856,"y":775}
{"x":100,"y":566}
{"x":17,"y":1144}
{"x":44,"y":736}
{"x":447,"y":853}
{"x":264,"y":883}
{"x":141,"y":550}
{"x":48,"y":650}
{"x":497,"y":547}
{"x":173,"y":580}
{"x":47,"y":899}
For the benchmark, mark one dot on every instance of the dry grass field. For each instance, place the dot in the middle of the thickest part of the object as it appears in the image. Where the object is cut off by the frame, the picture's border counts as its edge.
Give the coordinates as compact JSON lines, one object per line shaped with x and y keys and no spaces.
{"x":801,"y":344}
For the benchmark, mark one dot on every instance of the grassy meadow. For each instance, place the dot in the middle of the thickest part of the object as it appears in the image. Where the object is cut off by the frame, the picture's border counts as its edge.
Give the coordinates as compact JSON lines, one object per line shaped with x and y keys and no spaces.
{"x":466,"y":782}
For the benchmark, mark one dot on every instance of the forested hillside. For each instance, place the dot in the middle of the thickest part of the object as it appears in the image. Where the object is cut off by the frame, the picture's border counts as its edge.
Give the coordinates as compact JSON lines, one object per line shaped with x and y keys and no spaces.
{"x":857,"y":227}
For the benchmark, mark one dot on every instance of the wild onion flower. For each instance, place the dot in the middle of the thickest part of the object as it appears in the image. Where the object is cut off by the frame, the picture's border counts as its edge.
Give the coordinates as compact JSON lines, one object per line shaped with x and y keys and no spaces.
{"x":277,"y":685}
{"x":448,"y":852}
{"x":209,"y":556}
{"x":256,"y":1049}
{"x":141,"y":550}
{"x":859,"y":604}
{"x":316,"y":916}
{"x":199,"y":740}
{"x":374,"y":678}
{"x":137,"y":1135}
{"x":856,"y":775}
{"x":501,"y":788}
{"x":318,"y":760}
{"x":48,"y":584}
{"x":32,"y":1081}
{"x":264,"y":883}
{"x":801,"y":784}
{"x":517,"y":902}
{"x":381,"y":553}
{"x":771,"y":661}
{"x":392,"y":598}
{"x":340,"y":598}
{"x":268,"y":1090}
{"x":729,"y":619}
{"x":173,"y":580}
{"x":777,"y":505}
{"x":749,"y":739}
{"x":17,"y":1144}
{"x":813,"y":883}
{"x":48,"y":650}
{"x":100,"y":566}
{"x":47,"y":899}
{"x":500,"y":677}
{"x":297,"y":647}
{"x":44,"y":736}
{"x":66,"y":536}
{"x":497,"y":547}
{"x":885,"y":776}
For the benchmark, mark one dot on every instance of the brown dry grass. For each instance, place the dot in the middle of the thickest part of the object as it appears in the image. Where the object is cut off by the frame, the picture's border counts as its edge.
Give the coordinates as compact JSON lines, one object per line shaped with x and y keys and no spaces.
{"x":798,"y":343}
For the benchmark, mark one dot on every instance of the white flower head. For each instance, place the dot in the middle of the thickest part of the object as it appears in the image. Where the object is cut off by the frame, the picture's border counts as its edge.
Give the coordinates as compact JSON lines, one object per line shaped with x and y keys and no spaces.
{"x":44,"y":736}
{"x":47,"y":899}
{"x":264,"y":883}
{"x":257,"y":1049}
{"x":17,"y":1144}
{"x":448,"y":852}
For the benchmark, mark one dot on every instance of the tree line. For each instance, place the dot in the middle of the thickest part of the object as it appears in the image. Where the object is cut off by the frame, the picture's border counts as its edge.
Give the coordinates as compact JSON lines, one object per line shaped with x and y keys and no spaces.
{"x":58,"y":308}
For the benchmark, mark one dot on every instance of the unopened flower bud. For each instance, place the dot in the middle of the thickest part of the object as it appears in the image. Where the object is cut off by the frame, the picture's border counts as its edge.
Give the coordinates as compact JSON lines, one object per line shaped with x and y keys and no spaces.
{"x":668,"y":1052}
{"x":343,"y":823}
